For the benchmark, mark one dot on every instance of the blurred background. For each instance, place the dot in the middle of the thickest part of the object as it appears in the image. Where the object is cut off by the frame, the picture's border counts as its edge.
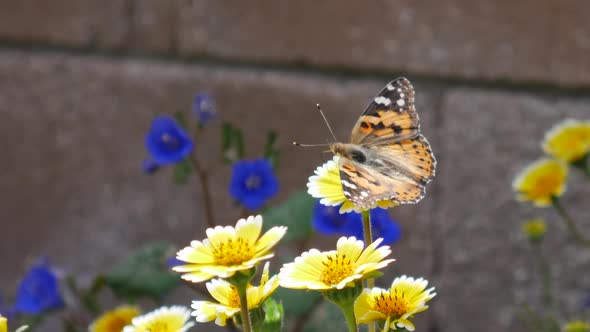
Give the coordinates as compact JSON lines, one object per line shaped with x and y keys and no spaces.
{"x":81,"y":80}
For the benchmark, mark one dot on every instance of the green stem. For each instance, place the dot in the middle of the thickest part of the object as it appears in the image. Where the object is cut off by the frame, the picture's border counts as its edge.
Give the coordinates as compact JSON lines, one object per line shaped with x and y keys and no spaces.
{"x":545,"y":274}
{"x":583,"y":165}
{"x":367,"y":232}
{"x":348,"y":311}
{"x":570,"y":223}
{"x":246,"y":323}
{"x":205,"y":190}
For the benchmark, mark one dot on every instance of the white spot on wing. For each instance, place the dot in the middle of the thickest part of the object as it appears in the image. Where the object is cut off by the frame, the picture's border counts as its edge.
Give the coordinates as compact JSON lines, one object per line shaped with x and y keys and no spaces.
{"x":390,"y":87}
{"x":383,"y":100}
{"x":364,"y":193}
{"x":401,"y":102}
{"x":348,"y":184}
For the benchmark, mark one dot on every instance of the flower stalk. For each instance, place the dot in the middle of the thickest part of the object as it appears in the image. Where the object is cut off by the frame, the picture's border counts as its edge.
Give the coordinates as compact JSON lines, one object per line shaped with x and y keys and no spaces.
{"x":580,"y":239}
{"x":204,"y":180}
{"x":544,"y":273}
{"x":366,"y":215}
{"x":244,"y":312}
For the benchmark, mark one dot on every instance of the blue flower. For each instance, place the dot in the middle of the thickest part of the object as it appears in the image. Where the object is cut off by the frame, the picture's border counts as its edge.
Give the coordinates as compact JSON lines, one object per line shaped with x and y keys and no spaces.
{"x":328,"y":221}
{"x":38,"y":291}
{"x":253,"y":182}
{"x":204,"y":108}
{"x":167,"y":141}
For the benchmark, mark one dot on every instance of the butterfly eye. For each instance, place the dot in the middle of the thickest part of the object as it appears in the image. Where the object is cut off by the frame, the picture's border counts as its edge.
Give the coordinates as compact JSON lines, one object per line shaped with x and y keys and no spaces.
{"x":358,"y":156}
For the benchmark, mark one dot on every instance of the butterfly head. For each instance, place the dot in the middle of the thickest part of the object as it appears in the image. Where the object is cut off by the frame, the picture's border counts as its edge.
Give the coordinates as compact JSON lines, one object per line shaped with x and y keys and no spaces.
{"x":350,"y":151}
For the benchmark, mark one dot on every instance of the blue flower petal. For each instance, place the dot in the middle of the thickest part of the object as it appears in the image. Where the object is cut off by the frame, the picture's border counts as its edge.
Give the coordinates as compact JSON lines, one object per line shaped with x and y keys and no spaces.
{"x":328,"y":221}
{"x":38,"y":291}
{"x":253,"y":183}
{"x":167,"y":142}
{"x":382,"y":226}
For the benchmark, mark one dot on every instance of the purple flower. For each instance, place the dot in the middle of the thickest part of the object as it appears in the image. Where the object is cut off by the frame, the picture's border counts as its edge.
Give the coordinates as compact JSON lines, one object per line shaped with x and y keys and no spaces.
{"x":38,"y":291}
{"x":253,"y":182}
{"x":167,"y":142}
{"x":204,"y":108}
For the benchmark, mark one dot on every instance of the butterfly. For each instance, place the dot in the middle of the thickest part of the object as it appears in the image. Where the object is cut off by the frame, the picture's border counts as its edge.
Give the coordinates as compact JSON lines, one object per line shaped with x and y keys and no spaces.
{"x":387,"y":157}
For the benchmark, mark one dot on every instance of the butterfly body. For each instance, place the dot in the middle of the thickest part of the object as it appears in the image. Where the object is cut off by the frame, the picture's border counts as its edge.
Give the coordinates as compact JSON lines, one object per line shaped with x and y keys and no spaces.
{"x":388,"y":158}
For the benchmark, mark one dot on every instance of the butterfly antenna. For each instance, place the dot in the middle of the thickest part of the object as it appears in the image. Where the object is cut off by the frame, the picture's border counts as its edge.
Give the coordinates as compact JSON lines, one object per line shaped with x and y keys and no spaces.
{"x":327,"y":123}
{"x":308,"y":145}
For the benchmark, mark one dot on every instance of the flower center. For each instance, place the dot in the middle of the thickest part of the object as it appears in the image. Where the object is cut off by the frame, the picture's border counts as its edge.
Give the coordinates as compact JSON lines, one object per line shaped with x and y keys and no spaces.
{"x":233,"y":298}
{"x":253,"y":181}
{"x":392,"y":304}
{"x":546,"y":185}
{"x":158,"y":326}
{"x":336,"y":268}
{"x":233,"y":252}
{"x":170,"y":142}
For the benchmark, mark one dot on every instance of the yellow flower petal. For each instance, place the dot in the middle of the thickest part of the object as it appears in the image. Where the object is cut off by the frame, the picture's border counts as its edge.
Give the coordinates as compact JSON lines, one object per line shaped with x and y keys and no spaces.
{"x":3,"y":324}
{"x":541,"y":181}
{"x":228,"y":250}
{"x":568,"y":140}
{"x":164,"y":319}
{"x":333,"y":269}
{"x":326,"y":186}
{"x":114,"y":320}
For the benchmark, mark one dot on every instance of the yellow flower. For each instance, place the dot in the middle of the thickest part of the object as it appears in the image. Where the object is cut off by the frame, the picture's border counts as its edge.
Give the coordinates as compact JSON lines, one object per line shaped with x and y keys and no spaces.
{"x":534,"y":229}
{"x":334,"y":269}
{"x":568,"y":140}
{"x":541,"y":181}
{"x":114,"y":320}
{"x":228,"y":249}
{"x":406,"y":297}
{"x":577,"y":326}
{"x":326,"y":185}
{"x":164,"y":319}
{"x":3,"y":324}
{"x":229,"y":299}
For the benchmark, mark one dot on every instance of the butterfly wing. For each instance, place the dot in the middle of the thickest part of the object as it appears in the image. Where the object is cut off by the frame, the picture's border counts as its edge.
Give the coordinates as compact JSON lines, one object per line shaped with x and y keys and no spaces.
{"x":397,"y":171}
{"x":391,"y":115}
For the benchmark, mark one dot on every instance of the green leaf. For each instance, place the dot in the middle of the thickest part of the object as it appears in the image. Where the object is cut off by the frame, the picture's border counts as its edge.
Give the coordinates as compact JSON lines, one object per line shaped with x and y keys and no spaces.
{"x":274,"y":313}
{"x":326,"y":312}
{"x":182,"y":171}
{"x":232,"y":143}
{"x":297,"y":302}
{"x":181,"y":119}
{"x":294,"y":213}
{"x":144,"y":274}
{"x":270,"y":150}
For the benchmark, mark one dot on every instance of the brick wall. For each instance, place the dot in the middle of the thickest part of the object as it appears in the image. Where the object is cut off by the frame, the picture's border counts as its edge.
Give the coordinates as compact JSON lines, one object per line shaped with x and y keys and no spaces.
{"x":80,"y":81}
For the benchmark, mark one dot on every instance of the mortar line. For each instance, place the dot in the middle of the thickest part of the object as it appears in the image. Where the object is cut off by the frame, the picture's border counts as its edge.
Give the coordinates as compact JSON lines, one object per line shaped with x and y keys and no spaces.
{"x":545,"y":88}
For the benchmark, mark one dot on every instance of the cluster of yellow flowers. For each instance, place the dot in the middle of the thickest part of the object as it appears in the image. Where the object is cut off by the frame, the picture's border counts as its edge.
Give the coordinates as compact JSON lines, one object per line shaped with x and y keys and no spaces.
{"x":545,"y":180}
{"x":230,"y":251}
{"x":543,"y":183}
